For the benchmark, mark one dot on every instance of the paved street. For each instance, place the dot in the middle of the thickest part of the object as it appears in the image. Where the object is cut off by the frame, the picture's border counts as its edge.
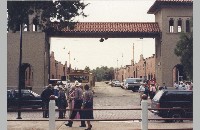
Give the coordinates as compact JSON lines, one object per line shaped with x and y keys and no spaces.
{"x":105,"y":97}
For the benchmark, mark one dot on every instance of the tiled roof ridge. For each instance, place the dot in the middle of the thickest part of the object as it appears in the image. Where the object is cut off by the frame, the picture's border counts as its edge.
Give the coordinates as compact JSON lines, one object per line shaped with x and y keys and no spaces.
{"x":176,"y":0}
{"x":112,"y":27}
{"x":110,"y":22}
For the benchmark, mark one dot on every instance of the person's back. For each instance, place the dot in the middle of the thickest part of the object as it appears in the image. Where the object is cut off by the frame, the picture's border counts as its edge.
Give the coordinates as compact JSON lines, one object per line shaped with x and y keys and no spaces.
{"x":46,"y":94}
{"x":146,"y":90}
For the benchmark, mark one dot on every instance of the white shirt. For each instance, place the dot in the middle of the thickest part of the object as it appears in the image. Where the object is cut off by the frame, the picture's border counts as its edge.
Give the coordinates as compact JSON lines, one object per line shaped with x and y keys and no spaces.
{"x":141,"y":89}
{"x":181,"y":87}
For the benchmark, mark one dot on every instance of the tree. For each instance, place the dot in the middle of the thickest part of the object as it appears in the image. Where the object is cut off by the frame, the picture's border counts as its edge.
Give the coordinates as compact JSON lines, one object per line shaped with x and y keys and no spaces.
{"x":103,"y":73}
{"x":184,"y":50}
{"x":44,"y":12}
{"x":87,"y":69}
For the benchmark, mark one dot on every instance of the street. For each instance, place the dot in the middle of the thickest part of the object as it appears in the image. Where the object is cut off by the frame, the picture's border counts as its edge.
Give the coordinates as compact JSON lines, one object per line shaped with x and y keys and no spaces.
{"x":105,"y":97}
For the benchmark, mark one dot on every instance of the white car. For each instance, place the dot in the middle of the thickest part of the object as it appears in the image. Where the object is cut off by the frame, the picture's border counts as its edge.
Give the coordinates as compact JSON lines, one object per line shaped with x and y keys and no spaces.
{"x":117,"y":84}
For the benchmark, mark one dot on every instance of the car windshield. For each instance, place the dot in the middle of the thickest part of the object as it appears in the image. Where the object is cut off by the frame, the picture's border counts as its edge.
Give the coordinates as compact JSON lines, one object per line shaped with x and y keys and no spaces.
{"x":26,"y":92}
{"x":158,"y":96}
{"x":133,"y":80}
{"x":117,"y":82}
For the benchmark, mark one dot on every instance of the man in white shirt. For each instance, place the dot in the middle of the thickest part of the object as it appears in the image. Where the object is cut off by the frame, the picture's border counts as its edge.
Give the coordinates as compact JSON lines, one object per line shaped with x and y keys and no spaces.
{"x":141,"y":90}
{"x":181,"y":86}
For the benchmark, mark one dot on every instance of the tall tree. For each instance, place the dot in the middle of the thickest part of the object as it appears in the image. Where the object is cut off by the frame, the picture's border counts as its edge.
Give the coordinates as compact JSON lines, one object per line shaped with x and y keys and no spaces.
{"x":184,"y":50}
{"x":44,"y":12}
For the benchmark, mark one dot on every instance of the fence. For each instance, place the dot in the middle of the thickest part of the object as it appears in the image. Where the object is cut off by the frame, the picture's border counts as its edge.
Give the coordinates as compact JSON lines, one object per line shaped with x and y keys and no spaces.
{"x":144,"y":115}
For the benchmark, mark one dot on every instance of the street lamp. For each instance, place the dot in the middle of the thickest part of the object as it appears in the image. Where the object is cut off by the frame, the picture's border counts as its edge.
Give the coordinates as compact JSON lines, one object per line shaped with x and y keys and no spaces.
{"x":20,"y":80}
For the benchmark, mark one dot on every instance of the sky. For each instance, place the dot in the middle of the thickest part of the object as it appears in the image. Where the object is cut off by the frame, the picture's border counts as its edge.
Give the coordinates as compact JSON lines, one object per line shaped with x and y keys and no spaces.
{"x":113,"y":52}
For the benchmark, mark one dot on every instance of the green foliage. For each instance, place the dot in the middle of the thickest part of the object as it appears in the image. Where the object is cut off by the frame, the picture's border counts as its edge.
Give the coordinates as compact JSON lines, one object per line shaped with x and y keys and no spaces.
{"x":87,"y":69}
{"x":104,"y":73}
{"x":184,"y":50}
{"x":63,"y":11}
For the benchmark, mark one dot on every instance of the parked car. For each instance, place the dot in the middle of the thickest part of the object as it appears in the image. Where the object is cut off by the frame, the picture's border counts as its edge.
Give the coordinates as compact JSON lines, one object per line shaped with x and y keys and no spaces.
{"x":117,"y":84}
{"x":113,"y":82}
{"x":29,"y":99}
{"x":132,"y":83}
{"x":173,"y":99}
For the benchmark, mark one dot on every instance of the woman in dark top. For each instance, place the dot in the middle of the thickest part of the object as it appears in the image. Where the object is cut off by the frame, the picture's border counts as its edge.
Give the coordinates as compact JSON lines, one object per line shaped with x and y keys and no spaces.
{"x":88,"y":104}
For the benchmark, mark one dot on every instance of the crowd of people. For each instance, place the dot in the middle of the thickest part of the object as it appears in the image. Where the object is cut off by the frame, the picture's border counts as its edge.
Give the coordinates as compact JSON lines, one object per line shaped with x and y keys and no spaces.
{"x":150,"y":87}
{"x":78,"y":98}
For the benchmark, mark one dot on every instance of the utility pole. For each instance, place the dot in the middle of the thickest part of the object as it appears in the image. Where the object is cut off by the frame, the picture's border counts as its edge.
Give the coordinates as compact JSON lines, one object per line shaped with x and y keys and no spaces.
{"x":145,"y":77}
{"x":117,"y":70}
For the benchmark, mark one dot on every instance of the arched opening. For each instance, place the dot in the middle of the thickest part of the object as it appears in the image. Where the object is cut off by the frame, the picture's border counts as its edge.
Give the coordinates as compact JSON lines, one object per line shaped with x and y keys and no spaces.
{"x":178,"y":73}
{"x":26,"y":76}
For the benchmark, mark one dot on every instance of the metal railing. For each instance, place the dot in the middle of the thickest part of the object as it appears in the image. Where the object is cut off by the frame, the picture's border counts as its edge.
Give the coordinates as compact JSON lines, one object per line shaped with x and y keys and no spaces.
{"x":144,"y":115}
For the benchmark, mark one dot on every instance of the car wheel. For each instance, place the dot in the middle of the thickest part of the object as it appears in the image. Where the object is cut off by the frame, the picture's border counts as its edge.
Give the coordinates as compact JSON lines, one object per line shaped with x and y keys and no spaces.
{"x":176,"y":115}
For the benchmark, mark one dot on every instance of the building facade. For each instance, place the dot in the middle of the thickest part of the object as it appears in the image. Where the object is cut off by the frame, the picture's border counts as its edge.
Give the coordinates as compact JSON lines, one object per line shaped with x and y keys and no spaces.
{"x":144,"y":68}
{"x":57,"y":69}
{"x":173,"y":17}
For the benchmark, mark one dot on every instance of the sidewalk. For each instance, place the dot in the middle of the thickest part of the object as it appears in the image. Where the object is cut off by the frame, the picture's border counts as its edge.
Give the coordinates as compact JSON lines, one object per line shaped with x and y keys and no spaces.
{"x":98,"y":125}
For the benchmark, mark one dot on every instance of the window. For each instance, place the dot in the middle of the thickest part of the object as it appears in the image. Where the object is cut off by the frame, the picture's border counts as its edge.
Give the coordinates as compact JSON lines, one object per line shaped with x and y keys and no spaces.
{"x":171,"y":25}
{"x":179,"y":25}
{"x":187,"y":25}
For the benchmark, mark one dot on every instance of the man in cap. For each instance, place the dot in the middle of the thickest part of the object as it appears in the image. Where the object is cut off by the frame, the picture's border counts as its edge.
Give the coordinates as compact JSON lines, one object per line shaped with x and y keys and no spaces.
{"x":45,"y":99}
{"x":78,"y":100}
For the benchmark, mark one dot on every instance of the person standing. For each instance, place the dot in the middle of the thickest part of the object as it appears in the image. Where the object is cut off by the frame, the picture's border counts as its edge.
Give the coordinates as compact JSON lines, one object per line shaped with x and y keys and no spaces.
{"x":78,"y":100}
{"x":141,"y":90}
{"x":181,"y":86}
{"x":152,"y":91}
{"x":45,"y":100}
{"x":176,"y":85}
{"x":163,"y":86}
{"x":146,"y":91}
{"x":62,"y":102}
{"x":88,"y":105}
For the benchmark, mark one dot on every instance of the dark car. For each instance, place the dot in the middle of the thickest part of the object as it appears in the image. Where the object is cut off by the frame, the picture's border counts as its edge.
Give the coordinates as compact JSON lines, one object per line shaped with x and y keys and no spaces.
{"x":133,"y":84}
{"x":173,"y":99}
{"x":29,"y":99}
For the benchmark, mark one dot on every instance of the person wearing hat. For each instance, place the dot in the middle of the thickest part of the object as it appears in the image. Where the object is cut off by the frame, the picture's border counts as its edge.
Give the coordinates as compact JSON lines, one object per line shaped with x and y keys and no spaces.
{"x":78,"y":100}
{"x":61,"y":102}
{"x":45,"y":99}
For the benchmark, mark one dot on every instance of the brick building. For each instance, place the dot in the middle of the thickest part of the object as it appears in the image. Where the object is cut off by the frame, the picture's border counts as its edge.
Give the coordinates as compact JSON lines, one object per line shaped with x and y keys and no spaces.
{"x":137,"y":70}
{"x":57,"y":70}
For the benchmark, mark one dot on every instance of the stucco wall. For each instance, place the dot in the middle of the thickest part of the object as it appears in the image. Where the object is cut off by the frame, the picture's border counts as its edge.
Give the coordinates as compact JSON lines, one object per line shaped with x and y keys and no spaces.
{"x":168,"y":41}
{"x":33,"y":52}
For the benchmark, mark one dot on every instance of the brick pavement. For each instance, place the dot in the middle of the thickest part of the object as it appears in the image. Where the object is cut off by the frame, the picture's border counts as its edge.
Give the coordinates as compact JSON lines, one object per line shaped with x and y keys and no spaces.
{"x":97,"y":125}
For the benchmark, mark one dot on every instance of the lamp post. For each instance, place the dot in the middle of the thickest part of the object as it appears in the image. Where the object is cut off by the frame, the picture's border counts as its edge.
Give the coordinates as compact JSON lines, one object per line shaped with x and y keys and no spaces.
{"x":20,"y":80}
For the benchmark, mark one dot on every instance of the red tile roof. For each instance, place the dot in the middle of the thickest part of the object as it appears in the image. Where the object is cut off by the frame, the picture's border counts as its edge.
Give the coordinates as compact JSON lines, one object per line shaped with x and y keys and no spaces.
{"x":159,"y":3}
{"x":140,"y":27}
